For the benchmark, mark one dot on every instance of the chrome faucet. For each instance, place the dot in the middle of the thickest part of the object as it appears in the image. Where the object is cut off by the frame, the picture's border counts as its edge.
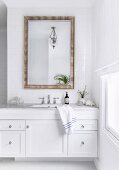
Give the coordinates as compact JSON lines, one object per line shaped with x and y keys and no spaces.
{"x":48,"y":99}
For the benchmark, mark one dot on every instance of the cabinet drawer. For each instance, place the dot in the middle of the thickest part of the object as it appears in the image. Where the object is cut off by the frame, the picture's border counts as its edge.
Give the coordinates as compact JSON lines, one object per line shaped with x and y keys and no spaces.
{"x":12,"y":124}
{"x":85,"y":125}
{"x":83,"y":144}
{"x":87,"y":113}
{"x":12,"y":143}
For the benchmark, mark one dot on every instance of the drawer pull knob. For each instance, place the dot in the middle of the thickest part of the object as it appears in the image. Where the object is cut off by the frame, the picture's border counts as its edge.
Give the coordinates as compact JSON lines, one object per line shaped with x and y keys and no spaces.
{"x":10,"y":142}
{"x":82,"y":126}
{"x":27,"y":126}
{"x":10,"y":126}
{"x":82,"y":142}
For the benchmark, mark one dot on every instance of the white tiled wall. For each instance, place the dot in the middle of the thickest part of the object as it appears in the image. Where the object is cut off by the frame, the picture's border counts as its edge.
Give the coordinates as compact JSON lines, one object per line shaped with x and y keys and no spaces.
{"x":3,"y":66}
{"x":16,"y":51}
{"x":106,"y":25}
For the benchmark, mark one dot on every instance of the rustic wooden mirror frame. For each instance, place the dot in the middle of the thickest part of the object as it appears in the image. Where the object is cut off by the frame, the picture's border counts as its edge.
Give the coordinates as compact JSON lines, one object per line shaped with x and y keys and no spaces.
{"x":72,"y":32}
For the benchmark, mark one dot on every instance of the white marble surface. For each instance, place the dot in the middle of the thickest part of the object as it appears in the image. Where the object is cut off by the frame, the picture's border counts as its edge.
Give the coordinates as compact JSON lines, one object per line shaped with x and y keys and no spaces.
{"x":43,"y":106}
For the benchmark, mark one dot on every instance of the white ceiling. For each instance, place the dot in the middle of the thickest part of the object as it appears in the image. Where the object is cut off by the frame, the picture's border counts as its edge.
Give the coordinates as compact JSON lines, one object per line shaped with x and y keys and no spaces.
{"x":3,"y":16}
{"x":48,"y":3}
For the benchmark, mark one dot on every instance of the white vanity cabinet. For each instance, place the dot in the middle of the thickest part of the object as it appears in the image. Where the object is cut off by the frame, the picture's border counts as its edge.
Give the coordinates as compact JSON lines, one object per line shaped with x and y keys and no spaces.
{"x":83,"y":144}
{"x":45,"y":138}
{"x":12,"y":138}
{"x":83,"y":141}
{"x":39,"y":133}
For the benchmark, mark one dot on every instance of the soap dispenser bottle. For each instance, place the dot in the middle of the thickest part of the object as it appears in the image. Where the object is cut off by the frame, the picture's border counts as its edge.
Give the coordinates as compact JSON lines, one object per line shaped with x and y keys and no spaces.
{"x":66,"y":99}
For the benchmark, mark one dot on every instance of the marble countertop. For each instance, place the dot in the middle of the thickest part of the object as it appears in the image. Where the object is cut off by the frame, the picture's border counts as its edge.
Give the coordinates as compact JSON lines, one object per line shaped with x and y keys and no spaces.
{"x":42,"y":106}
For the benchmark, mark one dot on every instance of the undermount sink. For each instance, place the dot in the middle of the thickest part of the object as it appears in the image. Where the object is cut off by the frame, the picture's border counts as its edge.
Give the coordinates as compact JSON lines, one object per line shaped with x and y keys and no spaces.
{"x":43,"y":106}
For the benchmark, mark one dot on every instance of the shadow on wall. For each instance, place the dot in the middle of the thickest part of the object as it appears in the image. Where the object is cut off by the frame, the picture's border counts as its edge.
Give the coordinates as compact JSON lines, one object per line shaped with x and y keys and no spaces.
{"x":3,"y":53}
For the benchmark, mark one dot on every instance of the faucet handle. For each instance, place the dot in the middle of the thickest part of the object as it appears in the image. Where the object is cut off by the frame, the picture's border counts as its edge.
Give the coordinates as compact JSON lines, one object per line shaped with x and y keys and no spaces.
{"x":43,"y":100}
{"x":55,"y":100}
{"x":48,"y":99}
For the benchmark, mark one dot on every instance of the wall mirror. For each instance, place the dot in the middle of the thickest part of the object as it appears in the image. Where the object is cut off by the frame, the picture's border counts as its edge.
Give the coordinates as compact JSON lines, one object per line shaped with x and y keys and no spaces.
{"x":49,"y":52}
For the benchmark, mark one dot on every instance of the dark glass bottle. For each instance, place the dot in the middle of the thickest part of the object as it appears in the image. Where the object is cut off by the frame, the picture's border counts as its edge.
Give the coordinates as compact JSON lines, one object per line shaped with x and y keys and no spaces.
{"x":66,"y":99}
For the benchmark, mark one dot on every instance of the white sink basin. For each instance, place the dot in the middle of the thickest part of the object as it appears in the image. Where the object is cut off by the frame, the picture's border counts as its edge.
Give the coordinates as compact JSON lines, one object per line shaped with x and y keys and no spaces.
{"x":43,"y":106}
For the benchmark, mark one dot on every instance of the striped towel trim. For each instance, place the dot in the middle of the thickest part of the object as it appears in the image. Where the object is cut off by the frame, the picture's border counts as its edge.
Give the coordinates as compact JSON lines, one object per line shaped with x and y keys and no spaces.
{"x":69,"y":124}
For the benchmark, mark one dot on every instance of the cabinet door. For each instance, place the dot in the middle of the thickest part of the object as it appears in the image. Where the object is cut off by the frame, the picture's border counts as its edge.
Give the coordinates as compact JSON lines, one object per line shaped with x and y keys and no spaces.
{"x":12,"y":143}
{"x":45,"y":138}
{"x":82,"y":144}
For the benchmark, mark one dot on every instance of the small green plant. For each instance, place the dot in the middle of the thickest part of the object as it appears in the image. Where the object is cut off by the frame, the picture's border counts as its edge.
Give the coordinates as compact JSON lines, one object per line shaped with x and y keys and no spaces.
{"x":83,"y":93}
{"x":62,"y":78}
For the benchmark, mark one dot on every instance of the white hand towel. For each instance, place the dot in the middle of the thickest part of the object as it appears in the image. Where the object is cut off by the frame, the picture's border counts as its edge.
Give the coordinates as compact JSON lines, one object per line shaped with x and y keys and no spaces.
{"x":68,"y":117}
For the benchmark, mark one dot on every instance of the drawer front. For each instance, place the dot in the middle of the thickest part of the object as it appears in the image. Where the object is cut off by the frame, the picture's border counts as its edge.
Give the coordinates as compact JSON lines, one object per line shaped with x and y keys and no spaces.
{"x":87,"y":113}
{"x":82,"y":144}
{"x":12,"y":125}
{"x":82,"y":125}
{"x":12,"y":143}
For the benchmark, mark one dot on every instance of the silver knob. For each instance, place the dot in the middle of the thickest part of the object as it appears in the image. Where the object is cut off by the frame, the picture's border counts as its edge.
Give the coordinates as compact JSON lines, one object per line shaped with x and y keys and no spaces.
{"x":82,"y":126}
{"x":27,"y":126}
{"x":10,"y":126}
{"x":10,"y":142}
{"x":82,"y":142}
